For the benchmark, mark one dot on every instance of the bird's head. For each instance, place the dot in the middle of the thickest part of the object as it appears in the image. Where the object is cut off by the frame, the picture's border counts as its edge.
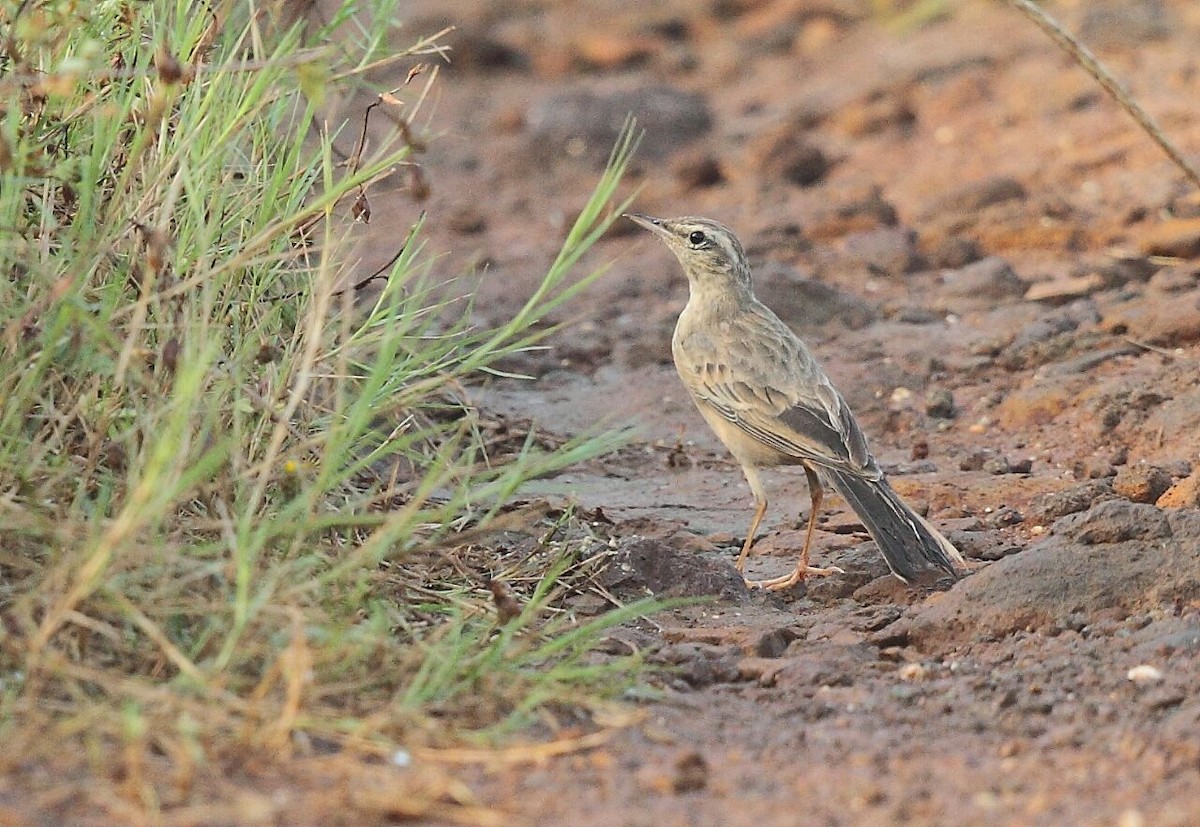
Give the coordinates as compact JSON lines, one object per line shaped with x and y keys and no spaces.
{"x":710,"y":253}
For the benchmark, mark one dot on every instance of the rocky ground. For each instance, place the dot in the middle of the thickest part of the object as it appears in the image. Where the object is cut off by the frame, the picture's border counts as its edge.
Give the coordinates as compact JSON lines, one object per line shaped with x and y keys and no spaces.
{"x":1002,"y":275}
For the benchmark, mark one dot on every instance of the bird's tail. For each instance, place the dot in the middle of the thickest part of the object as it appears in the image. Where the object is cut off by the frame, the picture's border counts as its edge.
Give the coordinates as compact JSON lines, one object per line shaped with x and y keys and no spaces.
{"x":908,"y":541}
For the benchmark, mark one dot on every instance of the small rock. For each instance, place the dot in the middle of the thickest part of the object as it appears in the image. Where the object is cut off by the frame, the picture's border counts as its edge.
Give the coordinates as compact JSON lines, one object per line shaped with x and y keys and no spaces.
{"x":974,"y":461}
{"x":809,"y":304}
{"x":917,"y":315}
{"x":865,"y":211}
{"x":996,"y":465}
{"x":1042,"y":329}
{"x":1093,"y":468}
{"x":1144,"y":674}
{"x":1114,"y":521}
{"x":983,"y":545}
{"x":1062,"y":291}
{"x":467,"y":221}
{"x":887,"y":250}
{"x":983,"y":282}
{"x":920,"y":450}
{"x":1141,"y":483}
{"x":604,"y":49}
{"x":874,"y":115}
{"x":1021,"y":466}
{"x":691,"y":773}
{"x":1151,"y":320}
{"x":953,"y":252}
{"x":784,"y":154}
{"x":474,"y":50}
{"x":698,"y":171}
{"x":643,"y":566}
{"x":1177,"y":279}
{"x":1119,"y":24}
{"x":977,"y":195}
{"x":1183,"y":494}
{"x":585,"y":122}
{"x":1175,"y":237}
{"x":1004,"y":516}
{"x":775,"y":642}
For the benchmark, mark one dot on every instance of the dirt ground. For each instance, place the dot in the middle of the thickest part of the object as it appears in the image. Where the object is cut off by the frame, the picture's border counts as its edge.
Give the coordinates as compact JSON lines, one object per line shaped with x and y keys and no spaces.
{"x":1002,"y":275}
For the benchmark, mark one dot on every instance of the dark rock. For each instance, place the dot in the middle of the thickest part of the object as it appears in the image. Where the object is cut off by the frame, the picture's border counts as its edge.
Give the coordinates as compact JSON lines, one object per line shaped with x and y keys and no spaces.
{"x":701,"y":664}
{"x":467,"y":221}
{"x":1094,"y":468}
{"x":808,"y":304}
{"x":1088,"y":361}
{"x":1004,"y":516}
{"x":785,"y":155}
{"x":1141,"y":483}
{"x":977,"y":195}
{"x":1177,"y":279}
{"x":974,"y":461}
{"x":982,"y":283}
{"x":691,"y":773}
{"x":826,"y":664}
{"x":1042,"y":329}
{"x":698,"y":170}
{"x":983,"y":545}
{"x":953,"y":252}
{"x":585,"y":122}
{"x":643,"y":567}
{"x":774,"y":643}
{"x":1115,"y":559}
{"x":888,"y":250}
{"x":475,"y":50}
{"x":1151,"y":320}
{"x":1121,"y":24}
{"x":1114,"y":521}
{"x":865,"y":211}
{"x":917,"y":315}
{"x":996,"y":465}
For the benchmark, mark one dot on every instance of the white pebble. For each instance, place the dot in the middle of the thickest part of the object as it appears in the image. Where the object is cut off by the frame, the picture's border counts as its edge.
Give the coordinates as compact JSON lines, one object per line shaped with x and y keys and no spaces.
{"x":1145,"y":673}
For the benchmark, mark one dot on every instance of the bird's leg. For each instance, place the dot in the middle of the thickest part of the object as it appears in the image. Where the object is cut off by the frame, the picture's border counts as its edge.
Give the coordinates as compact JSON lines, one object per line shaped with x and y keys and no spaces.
{"x":759,"y":511}
{"x":816,"y":493}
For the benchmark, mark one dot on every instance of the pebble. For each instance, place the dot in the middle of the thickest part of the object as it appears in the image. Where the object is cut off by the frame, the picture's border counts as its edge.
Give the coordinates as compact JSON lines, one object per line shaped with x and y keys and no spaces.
{"x":1062,"y":291}
{"x":983,"y":282}
{"x":953,"y":252}
{"x":975,"y":196}
{"x":939,"y":403}
{"x":1141,"y":483}
{"x":1145,"y":674}
{"x":1175,"y":237}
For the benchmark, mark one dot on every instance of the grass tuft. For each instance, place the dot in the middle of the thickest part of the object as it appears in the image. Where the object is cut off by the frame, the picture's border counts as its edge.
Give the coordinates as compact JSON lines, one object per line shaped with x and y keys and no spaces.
{"x":240,"y":514}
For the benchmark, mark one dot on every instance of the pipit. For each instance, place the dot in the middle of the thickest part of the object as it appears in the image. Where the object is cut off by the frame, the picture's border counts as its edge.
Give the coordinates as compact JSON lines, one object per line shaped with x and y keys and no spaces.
{"x":767,"y":399}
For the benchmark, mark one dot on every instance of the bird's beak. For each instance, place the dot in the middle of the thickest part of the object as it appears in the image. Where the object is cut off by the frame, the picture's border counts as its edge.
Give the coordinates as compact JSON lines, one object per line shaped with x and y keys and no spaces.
{"x":654,"y":225}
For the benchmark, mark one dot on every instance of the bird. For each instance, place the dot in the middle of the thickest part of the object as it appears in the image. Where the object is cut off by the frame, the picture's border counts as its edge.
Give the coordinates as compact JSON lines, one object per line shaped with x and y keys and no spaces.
{"x":766,"y":397}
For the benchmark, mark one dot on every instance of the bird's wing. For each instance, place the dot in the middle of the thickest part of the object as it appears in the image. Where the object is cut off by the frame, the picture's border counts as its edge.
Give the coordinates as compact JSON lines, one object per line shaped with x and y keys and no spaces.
{"x":809,"y":421}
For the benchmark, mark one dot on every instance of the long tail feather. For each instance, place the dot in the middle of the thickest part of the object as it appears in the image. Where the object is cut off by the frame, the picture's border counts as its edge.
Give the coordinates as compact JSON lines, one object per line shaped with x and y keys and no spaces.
{"x":908,"y":541}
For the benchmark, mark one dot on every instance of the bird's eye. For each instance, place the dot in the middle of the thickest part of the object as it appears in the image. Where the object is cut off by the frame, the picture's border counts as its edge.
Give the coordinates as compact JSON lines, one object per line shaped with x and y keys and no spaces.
{"x":697,"y":238}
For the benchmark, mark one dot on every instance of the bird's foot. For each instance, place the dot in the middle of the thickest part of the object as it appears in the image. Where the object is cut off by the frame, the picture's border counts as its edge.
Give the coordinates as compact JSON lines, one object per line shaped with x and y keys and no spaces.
{"x":775,"y":584}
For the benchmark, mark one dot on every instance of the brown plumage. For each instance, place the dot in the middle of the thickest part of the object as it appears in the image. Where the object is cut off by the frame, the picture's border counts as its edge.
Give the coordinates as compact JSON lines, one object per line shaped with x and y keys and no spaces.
{"x":762,"y":392}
